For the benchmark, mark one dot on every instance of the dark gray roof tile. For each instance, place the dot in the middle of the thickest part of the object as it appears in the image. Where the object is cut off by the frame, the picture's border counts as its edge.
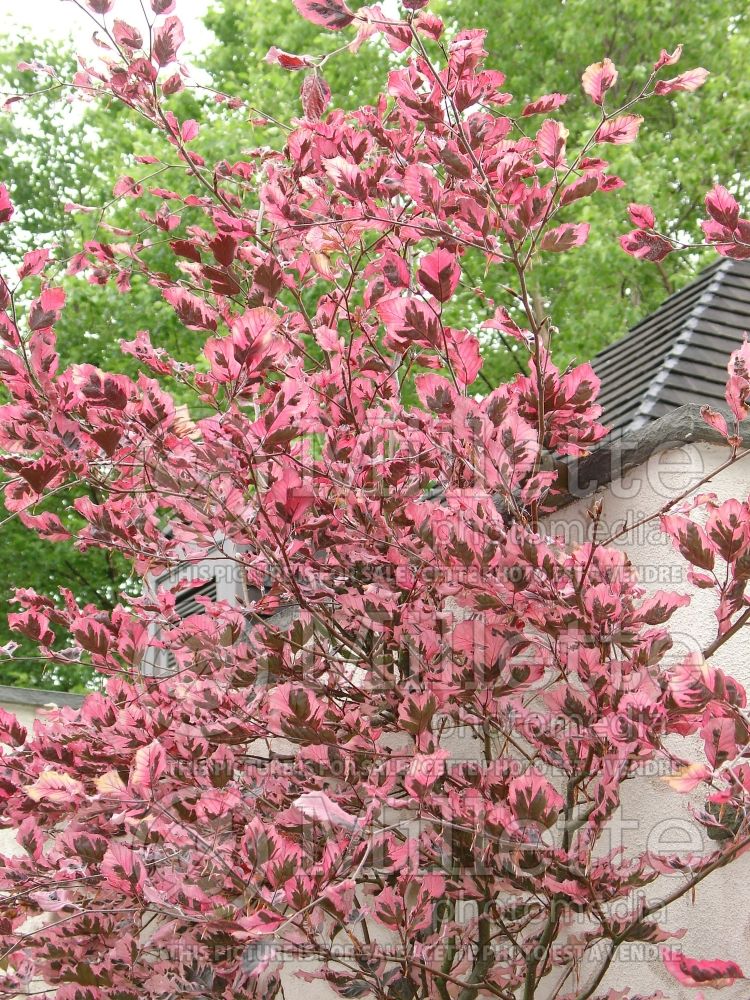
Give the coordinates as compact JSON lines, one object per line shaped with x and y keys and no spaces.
{"x":679,"y":353}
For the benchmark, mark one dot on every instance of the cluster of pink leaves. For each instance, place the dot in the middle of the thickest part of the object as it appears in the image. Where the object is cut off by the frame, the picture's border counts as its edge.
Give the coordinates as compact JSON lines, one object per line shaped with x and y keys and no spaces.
{"x":424,"y":750}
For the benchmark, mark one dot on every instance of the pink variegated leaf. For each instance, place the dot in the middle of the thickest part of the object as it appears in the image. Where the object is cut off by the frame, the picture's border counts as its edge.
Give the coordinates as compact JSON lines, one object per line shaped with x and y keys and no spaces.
{"x":504,"y":322}
{"x":172,"y":85}
{"x":410,"y":320}
{"x":287,"y":60}
{"x":347,"y":178}
{"x":163,"y":6}
{"x":127,"y":36}
{"x":716,"y":420}
{"x":598,"y":79}
{"x":565,"y":237}
{"x":719,"y":740}
{"x":696,"y":972}
{"x":127,"y":187}
{"x":341,"y":898}
{"x":12,"y":733}
{"x":439,"y":274}
{"x":424,"y":771}
{"x":331,"y":14}
{"x":123,"y":869}
{"x":436,"y":393}
{"x":46,"y":310}
{"x":543,"y":105}
{"x":168,"y":37}
{"x":367,"y":20}
{"x":668,"y":58}
{"x":691,"y":540}
{"x":727,"y":529}
{"x":189,"y":130}
{"x":642,"y":216}
{"x":464,"y":355}
{"x":149,"y":765}
{"x":33,"y":263}
{"x":610,"y":182}
{"x":416,"y":713}
{"x":658,"y":609}
{"x":533,"y":799}
{"x":261,"y":923}
{"x":582,"y":187}
{"x":688,"y":81}
{"x":722,"y":207}
{"x":191,"y":311}
{"x":55,"y":788}
{"x":389,"y":909}
{"x":550,"y":142}
{"x":688,"y":778}
{"x":33,"y":625}
{"x":644,"y":245}
{"x":315,"y":94}
{"x":429,"y":24}
{"x":738,"y":384}
{"x":111,"y":784}
{"x":422,"y":186}
{"x":6,"y":208}
{"x":318,"y":806}
{"x":619,"y":130}
{"x":91,"y":635}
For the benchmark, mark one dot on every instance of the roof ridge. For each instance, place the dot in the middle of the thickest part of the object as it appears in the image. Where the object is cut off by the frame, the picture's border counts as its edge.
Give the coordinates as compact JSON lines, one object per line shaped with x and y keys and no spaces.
{"x":644,"y":413}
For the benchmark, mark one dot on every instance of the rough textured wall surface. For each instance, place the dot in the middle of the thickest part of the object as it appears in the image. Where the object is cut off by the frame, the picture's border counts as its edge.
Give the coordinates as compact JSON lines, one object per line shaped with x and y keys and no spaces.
{"x":718,"y":918}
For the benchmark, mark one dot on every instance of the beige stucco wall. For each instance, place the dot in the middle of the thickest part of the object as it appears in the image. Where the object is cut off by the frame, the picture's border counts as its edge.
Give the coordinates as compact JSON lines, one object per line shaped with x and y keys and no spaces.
{"x":718,"y":919}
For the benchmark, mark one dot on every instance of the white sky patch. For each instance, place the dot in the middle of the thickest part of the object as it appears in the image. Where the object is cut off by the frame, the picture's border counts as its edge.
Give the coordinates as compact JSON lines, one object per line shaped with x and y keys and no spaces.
{"x":61,"y":19}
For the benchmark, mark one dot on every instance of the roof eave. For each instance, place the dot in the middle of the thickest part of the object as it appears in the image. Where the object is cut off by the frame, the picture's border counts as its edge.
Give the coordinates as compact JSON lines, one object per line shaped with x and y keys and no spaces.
{"x":620,"y":453}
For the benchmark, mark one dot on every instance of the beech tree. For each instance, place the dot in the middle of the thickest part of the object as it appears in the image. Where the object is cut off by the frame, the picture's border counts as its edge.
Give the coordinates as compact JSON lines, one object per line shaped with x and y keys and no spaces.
{"x":406,"y":778}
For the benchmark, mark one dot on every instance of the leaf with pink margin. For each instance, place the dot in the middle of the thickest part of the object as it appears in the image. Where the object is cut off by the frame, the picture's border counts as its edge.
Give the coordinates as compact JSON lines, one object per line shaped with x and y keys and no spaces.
{"x":620,"y":130}
{"x":331,"y":14}
{"x":550,"y":142}
{"x":439,"y":273}
{"x":688,"y":778}
{"x":598,"y":78}
{"x":689,"y":81}
{"x":642,"y":216}
{"x":55,"y":787}
{"x":722,"y":206}
{"x":168,"y":37}
{"x":6,"y":207}
{"x":318,"y":806}
{"x":565,"y":237}
{"x":123,"y":869}
{"x":696,"y":972}
{"x":668,"y":58}
{"x":288,"y":60}
{"x":645,"y":246}
{"x":543,"y":105}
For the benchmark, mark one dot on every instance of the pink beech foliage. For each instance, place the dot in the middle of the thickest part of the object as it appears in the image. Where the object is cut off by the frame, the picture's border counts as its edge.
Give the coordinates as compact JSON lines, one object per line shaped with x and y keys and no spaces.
{"x":406,"y":778}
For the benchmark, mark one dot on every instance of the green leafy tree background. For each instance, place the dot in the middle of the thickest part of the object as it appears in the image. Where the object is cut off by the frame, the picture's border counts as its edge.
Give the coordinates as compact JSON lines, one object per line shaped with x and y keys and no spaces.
{"x":52,"y":153}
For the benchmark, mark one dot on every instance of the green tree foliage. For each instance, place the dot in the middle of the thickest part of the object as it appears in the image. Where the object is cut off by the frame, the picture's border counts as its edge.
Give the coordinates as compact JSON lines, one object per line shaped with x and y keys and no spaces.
{"x":52,"y":155}
{"x":552,"y":41}
{"x":547,"y":44}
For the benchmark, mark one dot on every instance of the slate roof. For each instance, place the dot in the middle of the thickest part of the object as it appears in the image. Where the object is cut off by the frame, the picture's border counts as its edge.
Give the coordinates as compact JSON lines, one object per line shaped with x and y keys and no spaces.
{"x":38,"y":697}
{"x":677,"y":355}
